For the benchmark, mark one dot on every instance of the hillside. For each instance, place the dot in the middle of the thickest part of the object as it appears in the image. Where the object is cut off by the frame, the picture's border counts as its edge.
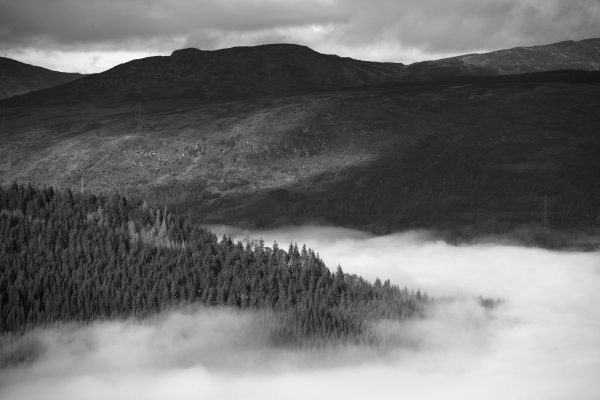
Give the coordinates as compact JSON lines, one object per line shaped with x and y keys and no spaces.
{"x":18,"y":78}
{"x":581,"y":55}
{"x":470,"y":159}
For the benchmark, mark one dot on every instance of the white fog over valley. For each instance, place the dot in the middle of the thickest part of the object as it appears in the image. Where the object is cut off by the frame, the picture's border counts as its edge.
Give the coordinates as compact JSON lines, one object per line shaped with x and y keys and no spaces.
{"x":541,"y":342}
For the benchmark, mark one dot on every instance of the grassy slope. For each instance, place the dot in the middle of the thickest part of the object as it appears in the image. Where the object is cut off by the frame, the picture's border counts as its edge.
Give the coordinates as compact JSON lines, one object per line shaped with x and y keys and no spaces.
{"x":476,"y":158}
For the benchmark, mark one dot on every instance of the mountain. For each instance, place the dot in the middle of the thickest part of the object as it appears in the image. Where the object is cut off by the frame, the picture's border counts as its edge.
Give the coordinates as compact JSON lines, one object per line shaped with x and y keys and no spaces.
{"x":287,"y":69}
{"x":18,"y":78}
{"x":581,"y":55}
{"x":228,"y":74}
{"x":266,"y":141}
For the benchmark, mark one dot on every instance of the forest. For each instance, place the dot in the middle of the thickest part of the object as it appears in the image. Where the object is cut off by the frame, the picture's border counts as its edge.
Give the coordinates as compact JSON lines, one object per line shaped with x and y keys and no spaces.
{"x":572,"y":76}
{"x":71,"y":256}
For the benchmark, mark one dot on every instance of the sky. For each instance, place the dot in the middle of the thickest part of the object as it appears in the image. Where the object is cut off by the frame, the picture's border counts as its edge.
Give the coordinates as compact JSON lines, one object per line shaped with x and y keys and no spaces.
{"x":91,"y":36}
{"x":542,"y":342}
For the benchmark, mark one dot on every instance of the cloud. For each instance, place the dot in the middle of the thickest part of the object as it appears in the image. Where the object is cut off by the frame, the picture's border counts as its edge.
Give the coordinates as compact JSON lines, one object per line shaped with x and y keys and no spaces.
{"x":379,"y":30}
{"x":470,"y":25}
{"x":125,"y":24}
{"x":542,"y":343}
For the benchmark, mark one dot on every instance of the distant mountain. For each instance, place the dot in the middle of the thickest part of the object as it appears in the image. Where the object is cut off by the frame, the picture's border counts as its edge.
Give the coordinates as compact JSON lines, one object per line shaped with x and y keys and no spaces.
{"x":583,"y":55}
{"x":468,"y":154}
{"x":285,"y":69}
{"x":227,"y":74}
{"x":19,"y":78}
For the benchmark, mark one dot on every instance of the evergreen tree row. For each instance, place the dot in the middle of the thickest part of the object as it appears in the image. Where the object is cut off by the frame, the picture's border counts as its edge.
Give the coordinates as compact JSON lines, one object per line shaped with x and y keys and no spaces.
{"x":573,"y":76}
{"x":68,"y":256}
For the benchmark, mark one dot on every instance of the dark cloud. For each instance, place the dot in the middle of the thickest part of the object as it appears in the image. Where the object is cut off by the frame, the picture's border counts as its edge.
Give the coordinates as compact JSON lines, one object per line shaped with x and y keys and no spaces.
{"x":372,"y":29}
{"x":76,"y":23}
{"x":438,"y":26}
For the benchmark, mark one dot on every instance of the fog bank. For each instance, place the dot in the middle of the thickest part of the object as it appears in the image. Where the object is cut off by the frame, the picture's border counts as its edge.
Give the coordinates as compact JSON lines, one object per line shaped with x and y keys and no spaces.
{"x":543,"y":342}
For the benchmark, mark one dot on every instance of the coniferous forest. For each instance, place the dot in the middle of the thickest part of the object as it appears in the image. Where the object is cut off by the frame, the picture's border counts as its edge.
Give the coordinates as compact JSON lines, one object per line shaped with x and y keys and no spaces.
{"x":82,"y":257}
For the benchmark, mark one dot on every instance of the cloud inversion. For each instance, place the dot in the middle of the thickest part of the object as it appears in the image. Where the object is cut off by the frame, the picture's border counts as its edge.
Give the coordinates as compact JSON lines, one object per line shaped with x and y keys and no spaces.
{"x":542,"y":343}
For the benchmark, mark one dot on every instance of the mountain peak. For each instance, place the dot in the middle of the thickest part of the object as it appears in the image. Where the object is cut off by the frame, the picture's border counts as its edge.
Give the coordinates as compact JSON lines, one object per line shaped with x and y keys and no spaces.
{"x":185,"y":52}
{"x":281,"y":49}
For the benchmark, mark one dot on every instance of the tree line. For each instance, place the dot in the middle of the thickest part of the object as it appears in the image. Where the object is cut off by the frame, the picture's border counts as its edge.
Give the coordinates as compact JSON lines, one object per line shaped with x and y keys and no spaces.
{"x":573,"y":76}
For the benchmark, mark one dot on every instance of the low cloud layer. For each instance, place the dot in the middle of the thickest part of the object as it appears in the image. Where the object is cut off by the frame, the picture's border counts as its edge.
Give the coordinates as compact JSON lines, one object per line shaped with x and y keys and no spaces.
{"x":381,"y":30}
{"x":543,"y":342}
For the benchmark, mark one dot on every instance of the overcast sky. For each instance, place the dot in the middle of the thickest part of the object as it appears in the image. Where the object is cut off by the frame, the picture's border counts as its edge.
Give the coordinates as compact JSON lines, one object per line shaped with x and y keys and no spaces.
{"x":94,"y":35}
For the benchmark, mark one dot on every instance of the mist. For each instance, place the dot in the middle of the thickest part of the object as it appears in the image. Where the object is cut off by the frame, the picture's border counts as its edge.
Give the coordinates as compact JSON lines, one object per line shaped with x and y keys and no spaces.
{"x":541,"y":342}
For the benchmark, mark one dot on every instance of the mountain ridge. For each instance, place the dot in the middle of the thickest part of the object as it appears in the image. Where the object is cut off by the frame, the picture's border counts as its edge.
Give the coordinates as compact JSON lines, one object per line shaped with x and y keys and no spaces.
{"x":580,"y":55}
{"x":18,"y":78}
{"x":289,"y":69}
{"x":225,"y":74}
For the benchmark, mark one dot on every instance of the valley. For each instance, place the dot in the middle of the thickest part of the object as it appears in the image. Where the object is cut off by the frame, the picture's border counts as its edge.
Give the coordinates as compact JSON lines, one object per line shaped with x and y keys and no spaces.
{"x":299,"y":200}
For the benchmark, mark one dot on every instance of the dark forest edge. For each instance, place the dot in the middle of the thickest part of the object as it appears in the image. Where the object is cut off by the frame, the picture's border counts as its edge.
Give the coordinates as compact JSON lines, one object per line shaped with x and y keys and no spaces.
{"x":78,"y":257}
{"x":571,"y":76}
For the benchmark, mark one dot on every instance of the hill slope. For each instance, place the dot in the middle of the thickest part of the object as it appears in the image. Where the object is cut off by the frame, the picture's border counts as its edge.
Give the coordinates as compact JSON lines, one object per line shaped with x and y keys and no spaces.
{"x":481,"y":157}
{"x":583,"y":55}
{"x":18,"y":78}
{"x":478,"y":156}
